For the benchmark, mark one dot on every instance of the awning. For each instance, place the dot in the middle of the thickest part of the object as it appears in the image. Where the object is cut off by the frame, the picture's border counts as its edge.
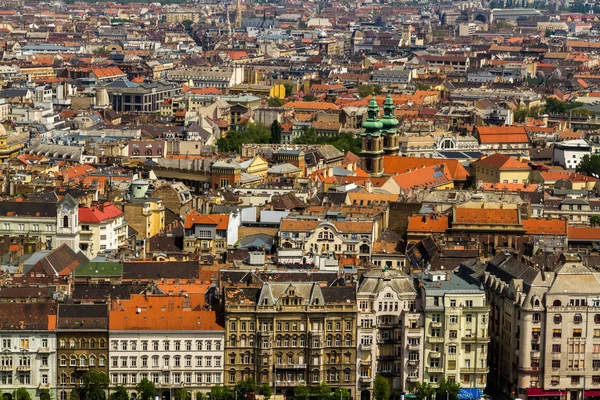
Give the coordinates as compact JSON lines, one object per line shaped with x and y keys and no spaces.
{"x":539,"y":392}
{"x":470,"y":393}
{"x":592,"y":393}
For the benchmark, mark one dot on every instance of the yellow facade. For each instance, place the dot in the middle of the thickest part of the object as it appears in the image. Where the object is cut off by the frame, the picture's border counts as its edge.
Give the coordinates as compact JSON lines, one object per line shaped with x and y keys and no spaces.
{"x":489,"y":174}
{"x":278,"y":91}
{"x":9,"y":148}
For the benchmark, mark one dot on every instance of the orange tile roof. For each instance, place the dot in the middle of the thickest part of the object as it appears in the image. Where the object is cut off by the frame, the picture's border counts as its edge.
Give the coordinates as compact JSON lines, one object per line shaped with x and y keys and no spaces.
{"x":485,"y":216}
{"x":420,"y":223}
{"x":570,"y":176}
{"x":502,"y":161}
{"x":504,"y":138}
{"x":542,"y":226}
{"x":397,"y":164}
{"x":77,"y":172}
{"x":194,"y":218}
{"x":107,"y":72}
{"x":584,"y":233}
{"x":500,"y":130}
{"x":429,"y":177}
{"x":311,"y":105}
{"x":509,"y":187}
{"x":162,"y":313}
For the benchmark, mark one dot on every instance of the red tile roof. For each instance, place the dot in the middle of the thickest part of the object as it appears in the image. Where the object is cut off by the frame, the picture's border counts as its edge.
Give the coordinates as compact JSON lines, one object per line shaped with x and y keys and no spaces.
{"x":96,"y":214}
{"x":486,"y":216}
{"x":584,"y":233}
{"x":429,"y":177}
{"x":221,"y":221}
{"x":502,"y":161}
{"x":397,"y":165}
{"x":421,"y":223}
{"x":534,"y":226}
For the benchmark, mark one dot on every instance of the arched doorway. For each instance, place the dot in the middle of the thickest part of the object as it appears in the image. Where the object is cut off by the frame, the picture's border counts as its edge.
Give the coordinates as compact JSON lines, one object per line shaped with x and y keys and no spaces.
{"x":480,"y":18}
{"x":166,"y":395}
{"x":365,"y":395}
{"x":7,"y":396}
{"x":289,"y":394}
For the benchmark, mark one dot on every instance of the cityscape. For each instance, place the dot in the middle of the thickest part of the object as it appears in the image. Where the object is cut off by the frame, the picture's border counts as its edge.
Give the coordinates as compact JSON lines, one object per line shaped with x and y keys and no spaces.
{"x":300,"y":200}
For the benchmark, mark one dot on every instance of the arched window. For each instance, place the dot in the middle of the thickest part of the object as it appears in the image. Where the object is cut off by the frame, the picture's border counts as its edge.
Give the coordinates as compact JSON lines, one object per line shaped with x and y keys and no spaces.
{"x":102,"y":343}
{"x":73,"y":362}
{"x":66,"y":221}
{"x":92,"y":343}
{"x":72,"y":343}
{"x":63,"y":361}
{"x":82,"y":361}
{"x":83,"y":344}
{"x":536,"y":303}
{"x":63,"y":343}
{"x":92,"y":361}
{"x":556,"y":303}
{"x":63,"y":394}
{"x":101,"y":361}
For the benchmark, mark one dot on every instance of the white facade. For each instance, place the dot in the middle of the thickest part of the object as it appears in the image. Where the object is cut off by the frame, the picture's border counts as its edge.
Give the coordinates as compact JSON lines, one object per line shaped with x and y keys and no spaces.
{"x":170,"y":359}
{"x":568,"y":154}
{"x":27,"y":360}
{"x":97,"y":237}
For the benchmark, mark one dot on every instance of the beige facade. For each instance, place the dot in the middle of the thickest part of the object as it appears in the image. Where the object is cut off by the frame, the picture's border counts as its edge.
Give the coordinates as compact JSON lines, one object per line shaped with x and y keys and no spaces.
{"x":290,"y":334}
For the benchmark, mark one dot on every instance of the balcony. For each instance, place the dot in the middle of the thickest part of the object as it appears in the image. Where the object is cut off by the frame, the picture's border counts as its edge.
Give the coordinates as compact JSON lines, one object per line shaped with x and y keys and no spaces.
{"x":435,"y":324}
{"x":290,"y":366}
{"x":24,"y":368}
{"x":44,"y":350}
{"x":435,"y":354}
{"x":44,"y":385}
{"x":414,"y":347}
{"x":365,"y":347}
{"x":82,"y":368}
{"x":6,"y":368}
{"x":435,"y":370}
{"x":290,"y":383}
{"x":413,"y":379}
{"x":435,"y":339}
{"x":413,"y":363}
{"x":366,"y":379}
{"x":535,"y":354}
{"x":365,"y":363}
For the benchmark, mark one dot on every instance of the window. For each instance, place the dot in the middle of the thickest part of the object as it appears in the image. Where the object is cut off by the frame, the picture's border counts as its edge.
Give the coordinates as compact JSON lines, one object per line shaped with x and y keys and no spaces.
{"x":556,"y":333}
{"x":556,"y":348}
{"x":576,"y":332}
{"x":451,"y":349}
{"x":453,"y":319}
{"x":577,"y":318}
{"x":557,"y":319}
{"x":555,"y":364}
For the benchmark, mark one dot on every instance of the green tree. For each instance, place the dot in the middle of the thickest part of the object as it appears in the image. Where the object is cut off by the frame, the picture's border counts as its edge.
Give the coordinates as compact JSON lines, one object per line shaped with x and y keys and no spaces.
{"x":340,"y":394}
{"x":220,"y":393}
{"x":520,"y":114}
{"x":381,"y":388}
{"x":182,"y":394}
{"x":244,"y":388}
{"x":74,"y":395}
{"x":187,"y":24}
{"x":276,"y":131}
{"x":365,"y":90}
{"x":301,"y":392}
{"x":94,"y":385}
{"x":548,"y":32}
{"x":447,"y":388}
{"x":249,"y":133}
{"x":377,"y":90}
{"x":22,"y":394}
{"x":274,"y":102}
{"x":321,"y":392}
{"x":423,"y":390}
{"x":146,"y":390}
{"x":200,"y":396}
{"x":120,"y":393}
{"x":45,"y":394}
{"x":590,"y":165}
{"x":289,"y":89}
{"x":343,"y":142}
{"x":266,"y":391}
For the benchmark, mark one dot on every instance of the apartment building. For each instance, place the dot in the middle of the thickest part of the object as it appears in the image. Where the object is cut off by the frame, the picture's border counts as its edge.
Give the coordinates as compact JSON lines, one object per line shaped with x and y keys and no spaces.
{"x":390,"y":332}
{"x":456,"y":330}
{"x":545,"y":328}
{"x":342,"y":238}
{"x":28,"y":351}
{"x":291,"y":333}
{"x":103,"y":228}
{"x":82,"y":337}
{"x":170,"y":340}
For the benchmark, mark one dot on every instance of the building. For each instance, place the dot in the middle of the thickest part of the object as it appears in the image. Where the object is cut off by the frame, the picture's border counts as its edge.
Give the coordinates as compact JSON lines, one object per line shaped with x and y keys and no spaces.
{"x":390,"y":332}
{"x":82,"y":337}
{"x":212,"y":233}
{"x":501,"y":168}
{"x":146,"y":216}
{"x":28,"y":359}
{"x":289,"y":334}
{"x":347,"y":239}
{"x":371,"y":154}
{"x":103,"y":229}
{"x":127,"y":96}
{"x":503,"y":139}
{"x":568,"y":154}
{"x":171,"y":340}
{"x":456,"y":331}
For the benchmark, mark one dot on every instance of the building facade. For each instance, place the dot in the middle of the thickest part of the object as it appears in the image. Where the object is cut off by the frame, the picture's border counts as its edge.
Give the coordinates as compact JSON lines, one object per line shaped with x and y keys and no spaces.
{"x":290,"y":334}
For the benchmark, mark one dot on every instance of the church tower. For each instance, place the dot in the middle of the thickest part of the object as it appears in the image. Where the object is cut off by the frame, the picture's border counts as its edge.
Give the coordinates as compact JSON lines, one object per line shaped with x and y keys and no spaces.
{"x":67,"y":223}
{"x":391,"y":139}
{"x":372,"y":142}
{"x":238,"y":14}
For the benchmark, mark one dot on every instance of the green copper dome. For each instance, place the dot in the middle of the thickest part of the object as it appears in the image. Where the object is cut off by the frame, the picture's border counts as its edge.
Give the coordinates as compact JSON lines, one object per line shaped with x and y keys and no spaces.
{"x":389,"y":120}
{"x":372,"y":125}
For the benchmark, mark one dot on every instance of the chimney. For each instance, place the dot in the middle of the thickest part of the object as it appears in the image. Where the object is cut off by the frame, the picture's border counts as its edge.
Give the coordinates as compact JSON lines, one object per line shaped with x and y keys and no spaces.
{"x":447,"y":276}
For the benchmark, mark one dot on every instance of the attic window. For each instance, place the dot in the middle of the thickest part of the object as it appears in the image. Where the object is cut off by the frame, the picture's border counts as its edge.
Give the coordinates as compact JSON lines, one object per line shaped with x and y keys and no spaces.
{"x":316,"y":301}
{"x":265,"y":302}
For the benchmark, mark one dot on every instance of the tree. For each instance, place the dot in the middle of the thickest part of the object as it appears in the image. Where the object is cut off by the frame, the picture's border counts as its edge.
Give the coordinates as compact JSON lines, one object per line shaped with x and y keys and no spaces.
{"x":423,"y":390}
{"x":341,"y":393}
{"x":249,"y":133}
{"x":276,"y":131}
{"x":321,"y":392}
{"x":343,"y":142}
{"x":447,"y":388}
{"x":377,"y":90}
{"x":301,"y":392}
{"x":74,"y":395}
{"x":182,"y":394}
{"x":244,"y":388}
{"x":266,"y":391}
{"x":365,"y":90}
{"x":45,"y":394}
{"x":120,"y":393}
{"x":94,"y":384}
{"x":200,"y":396}
{"x":381,"y":388}
{"x":187,"y":24}
{"x":590,"y":165}
{"x":220,"y":393}
{"x":22,"y":394}
{"x":289,"y":89}
{"x":274,"y":102}
{"x":146,"y":390}
{"x":595,"y":220}
{"x":548,"y":32}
